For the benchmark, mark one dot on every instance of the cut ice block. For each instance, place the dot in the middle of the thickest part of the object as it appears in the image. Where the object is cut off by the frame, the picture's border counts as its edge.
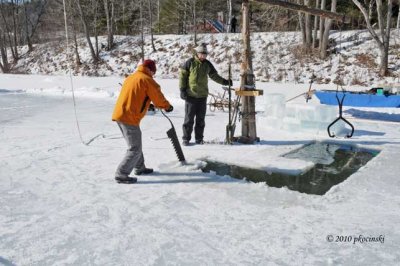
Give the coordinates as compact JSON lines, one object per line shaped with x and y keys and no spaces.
{"x":270,"y":122}
{"x":291,"y":111}
{"x":291,"y":124}
{"x":275,"y":105}
{"x":326,"y":113}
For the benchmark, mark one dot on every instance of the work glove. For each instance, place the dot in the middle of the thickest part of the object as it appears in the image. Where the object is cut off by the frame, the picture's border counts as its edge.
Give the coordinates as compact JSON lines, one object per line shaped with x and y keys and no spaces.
{"x":228,"y":82}
{"x":184,"y":94}
{"x":169,"y":109}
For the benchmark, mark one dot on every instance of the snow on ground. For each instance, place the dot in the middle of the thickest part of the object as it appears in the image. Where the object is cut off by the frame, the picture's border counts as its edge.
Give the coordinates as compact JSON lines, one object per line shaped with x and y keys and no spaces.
{"x":277,"y":57}
{"x":59,"y":204}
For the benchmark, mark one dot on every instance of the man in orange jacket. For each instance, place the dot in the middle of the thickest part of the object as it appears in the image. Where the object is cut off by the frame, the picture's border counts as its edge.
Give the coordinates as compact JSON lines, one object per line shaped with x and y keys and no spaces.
{"x":138,"y":91}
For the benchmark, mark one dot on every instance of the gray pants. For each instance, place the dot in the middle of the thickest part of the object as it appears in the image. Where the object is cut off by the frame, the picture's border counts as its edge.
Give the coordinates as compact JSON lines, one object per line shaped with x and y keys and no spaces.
{"x":134,"y":155}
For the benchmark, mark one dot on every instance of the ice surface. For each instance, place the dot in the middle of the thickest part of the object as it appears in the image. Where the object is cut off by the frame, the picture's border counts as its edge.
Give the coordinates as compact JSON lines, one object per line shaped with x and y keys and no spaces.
{"x":321,"y":153}
{"x":59,"y":204}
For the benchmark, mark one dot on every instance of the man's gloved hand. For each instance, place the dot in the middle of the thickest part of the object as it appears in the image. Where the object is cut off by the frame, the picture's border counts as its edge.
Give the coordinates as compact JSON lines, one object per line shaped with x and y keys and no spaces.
{"x":228,"y":82}
{"x":184,"y":94}
{"x":169,"y":109}
{"x":151,"y":107}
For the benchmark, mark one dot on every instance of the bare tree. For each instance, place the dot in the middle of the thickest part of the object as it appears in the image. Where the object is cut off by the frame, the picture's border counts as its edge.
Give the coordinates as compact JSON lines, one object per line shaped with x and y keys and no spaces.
{"x":230,"y":11}
{"x":109,"y":10}
{"x":321,"y":25}
{"x":150,"y":5}
{"x":325,"y":36}
{"x":302,"y":25}
{"x":4,"y":65}
{"x":33,"y":11}
{"x":195,"y":21}
{"x":95,"y":8}
{"x":141,"y":30}
{"x":314,"y":39}
{"x":71,"y":14}
{"x":9,"y":14}
{"x":15,"y":15}
{"x":308,"y":25}
{"x":86,"y":29}
{"x":384,"y":29}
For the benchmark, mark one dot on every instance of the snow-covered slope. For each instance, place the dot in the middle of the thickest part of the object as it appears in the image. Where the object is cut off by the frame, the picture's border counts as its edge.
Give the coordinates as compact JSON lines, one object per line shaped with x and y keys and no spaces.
{"x":277,"y":57}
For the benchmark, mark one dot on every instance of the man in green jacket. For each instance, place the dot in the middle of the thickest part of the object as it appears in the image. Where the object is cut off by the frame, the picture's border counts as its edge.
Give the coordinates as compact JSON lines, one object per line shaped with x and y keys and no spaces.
{"x":193,"y":83}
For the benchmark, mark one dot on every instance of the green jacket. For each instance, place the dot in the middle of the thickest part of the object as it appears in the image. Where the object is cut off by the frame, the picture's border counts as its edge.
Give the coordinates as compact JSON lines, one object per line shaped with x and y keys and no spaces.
{"x":193,"y":77}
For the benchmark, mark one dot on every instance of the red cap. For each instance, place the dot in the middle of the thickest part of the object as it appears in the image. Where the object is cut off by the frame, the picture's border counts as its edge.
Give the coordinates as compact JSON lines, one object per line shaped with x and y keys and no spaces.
{"x":150,"y":64}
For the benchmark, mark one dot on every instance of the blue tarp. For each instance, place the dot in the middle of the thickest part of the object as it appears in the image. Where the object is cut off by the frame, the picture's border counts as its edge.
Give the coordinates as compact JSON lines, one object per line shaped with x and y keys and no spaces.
{"x":358,"y":99}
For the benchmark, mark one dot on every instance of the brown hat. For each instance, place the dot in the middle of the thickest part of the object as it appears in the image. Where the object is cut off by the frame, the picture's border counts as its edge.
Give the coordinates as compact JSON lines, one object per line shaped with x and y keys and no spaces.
{"x":150,"y":64}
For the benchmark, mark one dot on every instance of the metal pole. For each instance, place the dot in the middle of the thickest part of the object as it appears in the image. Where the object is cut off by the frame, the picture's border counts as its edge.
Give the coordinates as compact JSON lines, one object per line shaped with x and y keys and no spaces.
{"x":229,"y":134}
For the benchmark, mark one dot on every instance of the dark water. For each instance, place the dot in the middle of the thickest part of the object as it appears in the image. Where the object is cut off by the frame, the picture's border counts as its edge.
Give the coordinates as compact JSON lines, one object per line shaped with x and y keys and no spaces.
{"x":333,"y":163}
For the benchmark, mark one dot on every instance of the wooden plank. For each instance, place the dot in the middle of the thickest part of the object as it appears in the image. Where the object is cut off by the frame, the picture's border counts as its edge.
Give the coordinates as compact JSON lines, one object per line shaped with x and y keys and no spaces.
{"x":249,"y":93}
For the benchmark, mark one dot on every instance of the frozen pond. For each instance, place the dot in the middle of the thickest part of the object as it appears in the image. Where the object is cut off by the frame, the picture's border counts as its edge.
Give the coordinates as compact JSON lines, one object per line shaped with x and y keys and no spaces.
{"x":15,"y":106}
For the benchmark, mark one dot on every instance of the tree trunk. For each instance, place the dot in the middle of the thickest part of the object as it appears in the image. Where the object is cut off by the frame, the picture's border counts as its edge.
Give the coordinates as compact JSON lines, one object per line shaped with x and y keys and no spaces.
{"x":302,"y":27}
{"x":109,"y":19}
{"x":321,"y":25}
{"x":151,"y":25}
{"x":308,"y":27}
{"x":15,"y":30}
{"x":315,"y":33}
{"x":195,"y":21}
{"x":398,"y":19}
{"x":27,"y":35}
{"x":71,"y":16}
{"x":7,"y":34}
{"x":141,"y":31}
{"x":385,"y":33}
{"x":4,"y":65}
{"x":77,"y":57}
{"x":158,"y":16}
{"x":325,"y":38}
{"x":35,"y":23}
{"x":185,"y":17}
{"x":228,"y":20}
{"x":85,"y":28}
{"x":96,"y":35}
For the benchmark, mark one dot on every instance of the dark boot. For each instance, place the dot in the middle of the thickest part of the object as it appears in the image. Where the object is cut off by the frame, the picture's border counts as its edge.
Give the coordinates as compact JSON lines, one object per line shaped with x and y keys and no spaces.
{"x":144,"y":171}
{"x":125,"y":179}
{"x":199,"y":141}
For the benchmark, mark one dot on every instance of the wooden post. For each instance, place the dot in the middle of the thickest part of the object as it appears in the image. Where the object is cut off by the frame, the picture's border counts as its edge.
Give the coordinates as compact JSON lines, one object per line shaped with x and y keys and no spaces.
{"x":249,"y":133}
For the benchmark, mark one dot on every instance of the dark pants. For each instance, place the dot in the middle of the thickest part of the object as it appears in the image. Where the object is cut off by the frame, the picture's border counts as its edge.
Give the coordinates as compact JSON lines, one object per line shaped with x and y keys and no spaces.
{"x":195,"y":108}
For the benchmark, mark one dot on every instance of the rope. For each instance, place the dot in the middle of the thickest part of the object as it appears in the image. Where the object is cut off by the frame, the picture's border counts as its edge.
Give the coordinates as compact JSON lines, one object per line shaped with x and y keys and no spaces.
{"x":72,"y":83}
{"x":339,"y":77}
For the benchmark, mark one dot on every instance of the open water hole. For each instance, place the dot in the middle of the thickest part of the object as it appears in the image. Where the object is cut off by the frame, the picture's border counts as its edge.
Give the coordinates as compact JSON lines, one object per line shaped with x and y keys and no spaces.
{"x":333,"y":163}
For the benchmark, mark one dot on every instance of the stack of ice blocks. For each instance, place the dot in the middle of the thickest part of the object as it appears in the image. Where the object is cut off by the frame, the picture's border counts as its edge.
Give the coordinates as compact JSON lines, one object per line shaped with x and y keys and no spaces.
{"x":297,"y":117}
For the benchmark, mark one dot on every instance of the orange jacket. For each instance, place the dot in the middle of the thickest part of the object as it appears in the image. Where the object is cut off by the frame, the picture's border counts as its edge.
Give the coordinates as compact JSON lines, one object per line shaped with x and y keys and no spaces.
{"x":138,"y":90}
